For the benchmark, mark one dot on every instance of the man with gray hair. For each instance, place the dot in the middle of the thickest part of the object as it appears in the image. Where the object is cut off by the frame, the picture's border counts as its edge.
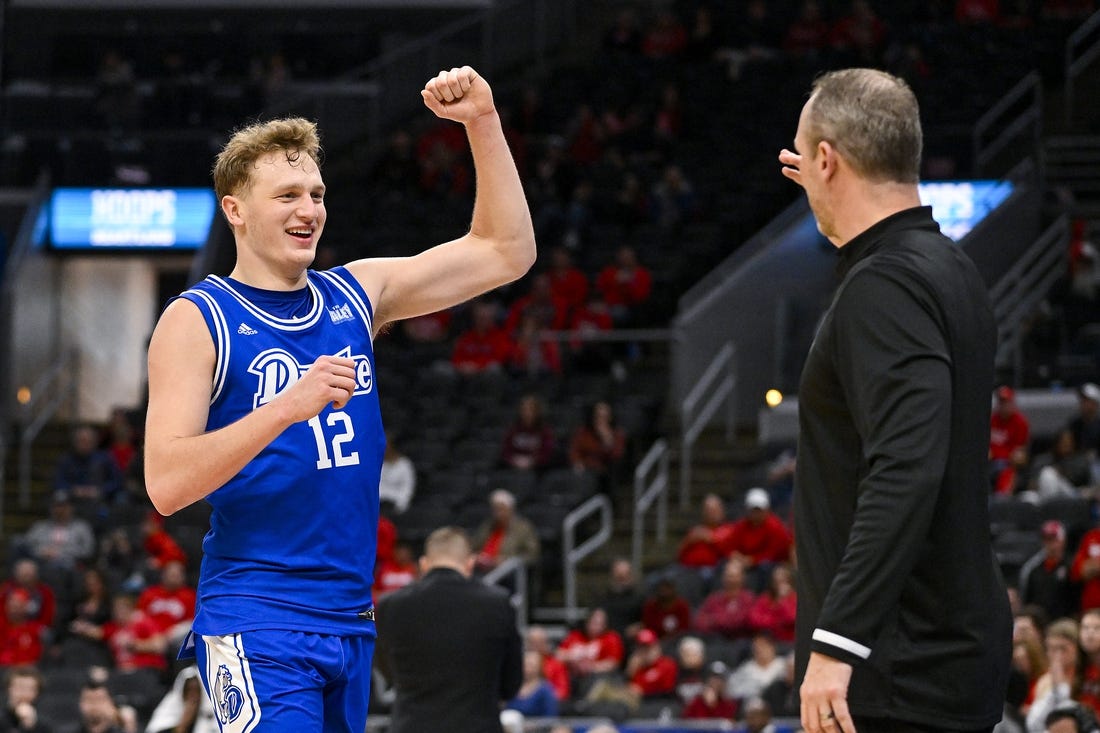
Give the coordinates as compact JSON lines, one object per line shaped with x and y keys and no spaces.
{"x":903,"y":617}
{"x":505,"y":534}
{"x":451,"y":644}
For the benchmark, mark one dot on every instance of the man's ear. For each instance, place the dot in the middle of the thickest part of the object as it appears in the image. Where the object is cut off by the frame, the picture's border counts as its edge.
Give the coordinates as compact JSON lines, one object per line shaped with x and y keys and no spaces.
{"x":231,"y":209}
{"x":827,"y":158}
{"x":425,"y":566}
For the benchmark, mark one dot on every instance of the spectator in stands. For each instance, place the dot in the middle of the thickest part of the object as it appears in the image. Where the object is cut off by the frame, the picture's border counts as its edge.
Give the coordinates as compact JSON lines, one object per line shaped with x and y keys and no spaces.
{"x":712,"y":700}
{"x":756,"y":38}
{"x":98,"y":711}
{"x":1086,"y":569}
{"x":536,"y":697}
{"x":122,"y":563}
{"x":1030,"y":623}
{"x":41,"y":600}
{"x":758,"y":672}
{"x":726,"y":610}
{"x":528,"y":444}
{"x":531,"y":355}
{"x":120,"y":440}
{"x":587,"y":353}
{"x":135,"y":639}
{"x":1085,"y":425}
{"x":1009,"y":434}
{"x":593,"y":649}
{"x":651,"y":673}
{"x":704,"y":38}
{"x":483,"y":346}
{"x":117,"y":102}
{"x":554,"y":670}
{"x":395,"y":572}
{"x":780,"y":694}
{"x":780,"y":480}
{"x":598,"y":445}
{"x":397,"y":482}
{"x":1090,"y":650}
{"x":773,"y":611}
{"x":706,"y":544}
{"x":759,"y":538}
{"x":396,"y":173}
{"x":674,"y":203}
{"x":92,"y":607}
{"x":858,"y":36}
{"x":160,"y":548}
{"x":1062,"y":472}
{"x":665,"y":612}
{"x":691,"y":662}
{"x":85,"y":472}
{"x":20,"y":714}
{"x":1070,"y":717}
{"x":1045,"y":578}
{"x":568,"y":283}
{"x":808,"y":36}
{"x":387,"y":539}
{"x":666,"y":37}
{"x":1029,"y":663}
{"x":430,"y":328}
{"x":61,"y":541}
{"x":184,"y":708}
{"x":1062,"y":681}
{"x":548,"y":310}
{"x":21,"y":637}
{"x":758,"y":716}
{"x":625,"y":284}
{"x":623,"y":599}
{"x":505,"y":534}
{"x":170,"y":604}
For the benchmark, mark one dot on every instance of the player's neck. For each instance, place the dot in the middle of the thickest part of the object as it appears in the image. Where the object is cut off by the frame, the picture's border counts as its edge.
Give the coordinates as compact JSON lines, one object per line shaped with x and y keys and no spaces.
{"x":267,"y":279}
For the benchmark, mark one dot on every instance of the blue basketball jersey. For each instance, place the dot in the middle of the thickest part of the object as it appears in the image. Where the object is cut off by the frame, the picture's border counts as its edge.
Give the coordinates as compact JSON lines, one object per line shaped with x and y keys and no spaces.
{"x":293,"y":536}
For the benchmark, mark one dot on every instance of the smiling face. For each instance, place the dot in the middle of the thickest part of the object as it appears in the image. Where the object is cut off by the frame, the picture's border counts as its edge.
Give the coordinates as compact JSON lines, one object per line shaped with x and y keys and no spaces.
{"x":278,"y":219}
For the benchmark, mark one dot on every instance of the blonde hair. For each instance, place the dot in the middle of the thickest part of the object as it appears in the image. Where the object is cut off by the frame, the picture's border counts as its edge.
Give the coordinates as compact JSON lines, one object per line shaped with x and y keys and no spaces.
{"x":292,"y":135}
{"x":872,"y":118}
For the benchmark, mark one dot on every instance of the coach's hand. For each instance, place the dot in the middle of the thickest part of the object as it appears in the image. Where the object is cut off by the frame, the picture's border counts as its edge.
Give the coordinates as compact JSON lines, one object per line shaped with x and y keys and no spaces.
{"x":459,"y":94}
{"x":792,"y":163}
{"x":331,"y":379}
{"x":824,"y":694}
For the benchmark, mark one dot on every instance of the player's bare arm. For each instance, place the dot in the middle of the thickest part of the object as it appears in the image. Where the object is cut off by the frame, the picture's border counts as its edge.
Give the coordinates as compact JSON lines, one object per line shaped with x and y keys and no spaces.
{"x":500,"y":246}
{"x":183,"y":462}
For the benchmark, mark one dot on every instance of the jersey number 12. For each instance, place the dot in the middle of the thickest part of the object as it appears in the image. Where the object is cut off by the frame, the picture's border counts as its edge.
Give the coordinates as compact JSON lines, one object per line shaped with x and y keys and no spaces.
{"x":345,"y":433}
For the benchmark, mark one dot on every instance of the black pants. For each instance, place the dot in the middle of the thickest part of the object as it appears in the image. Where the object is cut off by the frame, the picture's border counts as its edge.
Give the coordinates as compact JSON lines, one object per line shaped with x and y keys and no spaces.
{"x":886,"y":725}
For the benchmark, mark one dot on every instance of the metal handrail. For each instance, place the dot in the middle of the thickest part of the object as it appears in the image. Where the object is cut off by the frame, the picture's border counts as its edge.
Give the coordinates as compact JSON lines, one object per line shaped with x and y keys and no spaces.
{"x":572,"y":554}
{"x":513,"y":567}
{"x":1026,"y":283}
{"x":646,"y":492}
{"x":1012,"y":127}
{"x":56,"y":386}
{"x":718,"y":384}
{"x":1076,"y":64}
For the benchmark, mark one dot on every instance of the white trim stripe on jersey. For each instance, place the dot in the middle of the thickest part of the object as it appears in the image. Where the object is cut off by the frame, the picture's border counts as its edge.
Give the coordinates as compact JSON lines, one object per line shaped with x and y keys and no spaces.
{"x":221,"y":343}
{"x":229,"y":680}
{"x":353,"y":295}
{"x":283,"y":324}
{"x":842,"y":642}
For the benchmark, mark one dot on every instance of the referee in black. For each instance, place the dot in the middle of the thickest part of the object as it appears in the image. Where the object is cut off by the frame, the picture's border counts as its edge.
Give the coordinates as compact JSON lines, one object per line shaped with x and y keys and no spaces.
{"x":903,"y":618}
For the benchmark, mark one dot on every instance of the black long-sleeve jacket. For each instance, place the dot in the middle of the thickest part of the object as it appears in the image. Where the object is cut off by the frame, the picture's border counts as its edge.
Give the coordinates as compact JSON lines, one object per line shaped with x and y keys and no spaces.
{"x":896,"y":573}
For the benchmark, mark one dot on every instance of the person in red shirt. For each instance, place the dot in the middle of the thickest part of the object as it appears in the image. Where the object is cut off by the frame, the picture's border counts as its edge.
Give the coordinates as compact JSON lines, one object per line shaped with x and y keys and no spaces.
{"x":759,"y":538}
{"x":598,"y":445}
{"x":548,"y":310}
{"x":588,"y":320}
{"x":531,"y":355}
{"x":665,"y":613}
{"x":1090,"y":645}
{"x":135,"y":640}
{"x":554,"y":670}
{"x":595,"y":649}
{"x":860,"y":34}
{"x":712,"y":701}
{"x":396,"y":572}
{"x":773,"y":612}
{"x":568,"y":283}
{"x":650,"y":671}
{"x":1086,"y":569}
{"x":707,"y":543}
{"x":387,"y":539}
{"x":624,"y":284}
{"x":726,"y":610}
{"x":159,"y":546}
{"x":483,"y":346}
{"x":170,"y":604}
{"x":41,"y":601}
{"x":1009,"y":433}
{"x":20,"y":634}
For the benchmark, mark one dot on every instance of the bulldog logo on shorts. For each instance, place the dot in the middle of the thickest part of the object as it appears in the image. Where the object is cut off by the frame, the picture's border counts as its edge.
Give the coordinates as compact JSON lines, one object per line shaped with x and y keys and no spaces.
{"x":228,"y":698}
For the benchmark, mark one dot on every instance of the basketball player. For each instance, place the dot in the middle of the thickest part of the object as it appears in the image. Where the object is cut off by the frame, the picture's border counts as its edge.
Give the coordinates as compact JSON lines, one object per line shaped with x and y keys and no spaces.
{"x":262,"y":400}
{"x":903,"y":620}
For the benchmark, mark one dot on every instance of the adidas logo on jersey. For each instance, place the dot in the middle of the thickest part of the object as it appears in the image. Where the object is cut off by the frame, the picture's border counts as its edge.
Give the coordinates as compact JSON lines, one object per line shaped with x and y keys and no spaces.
{"x":245,"y":330}
{"x":340,"y":313}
